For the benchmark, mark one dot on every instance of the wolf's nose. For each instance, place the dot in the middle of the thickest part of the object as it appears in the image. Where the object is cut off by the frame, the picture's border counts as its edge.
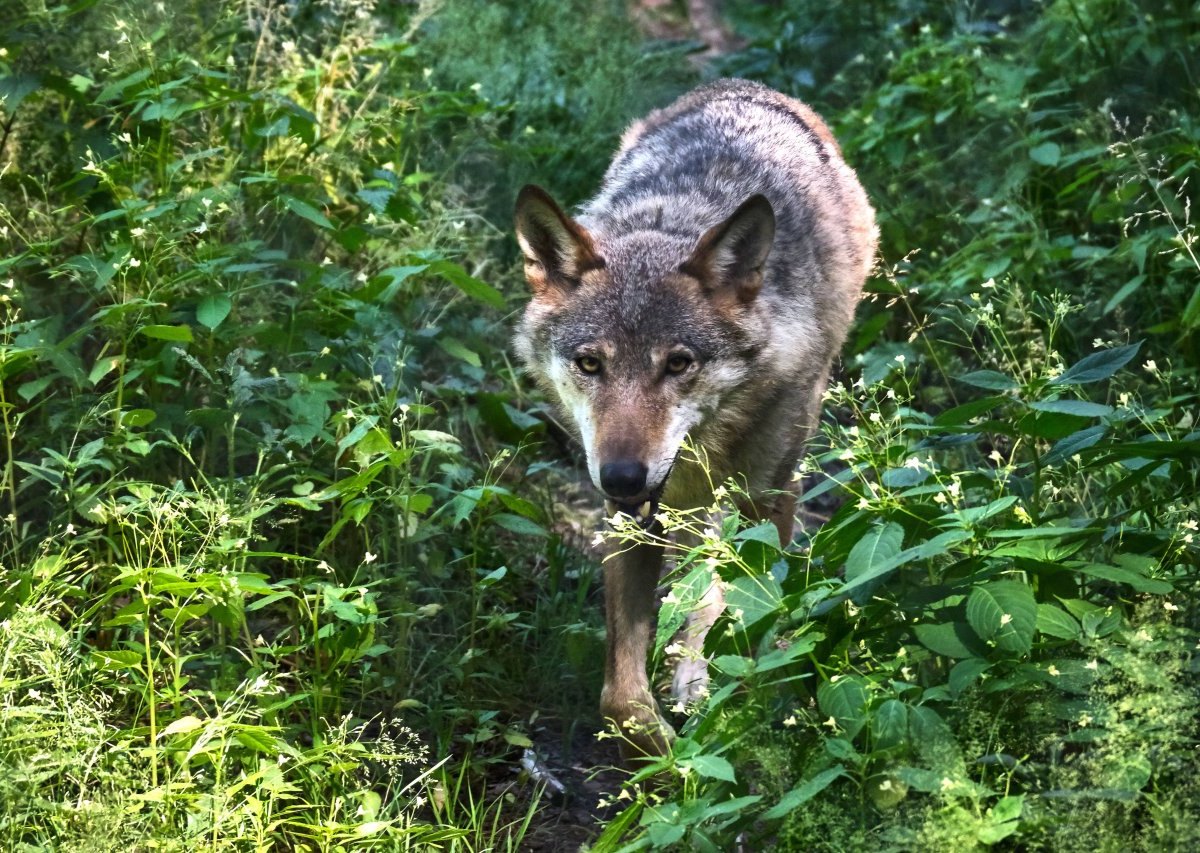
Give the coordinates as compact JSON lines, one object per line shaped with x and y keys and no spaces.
{"x":624,"y":479}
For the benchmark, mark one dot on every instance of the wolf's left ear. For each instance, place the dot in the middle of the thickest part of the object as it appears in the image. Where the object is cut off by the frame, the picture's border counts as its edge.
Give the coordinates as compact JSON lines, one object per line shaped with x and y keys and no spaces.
{"x":557,"y":249}
{"x":732,"y":254}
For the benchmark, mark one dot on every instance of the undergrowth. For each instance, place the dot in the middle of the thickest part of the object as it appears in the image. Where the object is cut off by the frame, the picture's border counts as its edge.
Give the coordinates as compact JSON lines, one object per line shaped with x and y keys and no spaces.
{"x":291,"y":554}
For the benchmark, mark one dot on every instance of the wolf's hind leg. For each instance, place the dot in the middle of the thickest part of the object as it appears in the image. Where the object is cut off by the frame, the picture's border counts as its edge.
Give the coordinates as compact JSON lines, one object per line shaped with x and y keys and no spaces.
{"x":690,"y":680}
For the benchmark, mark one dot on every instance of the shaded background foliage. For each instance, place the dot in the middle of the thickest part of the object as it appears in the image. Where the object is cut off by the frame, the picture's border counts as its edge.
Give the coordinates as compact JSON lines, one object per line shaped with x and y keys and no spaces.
{"x":293,"y":559}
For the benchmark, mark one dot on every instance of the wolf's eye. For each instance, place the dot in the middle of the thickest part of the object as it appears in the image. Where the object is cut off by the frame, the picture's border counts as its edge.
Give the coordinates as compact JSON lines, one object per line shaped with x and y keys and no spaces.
{"x":589,"y":364}
{"x":678,"y":364}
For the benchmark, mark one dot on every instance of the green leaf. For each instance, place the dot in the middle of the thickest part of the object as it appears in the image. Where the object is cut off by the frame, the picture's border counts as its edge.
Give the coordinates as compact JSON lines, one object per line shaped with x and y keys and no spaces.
{"x":180,"y":334}
{"x":846,"y":701}
{"x":879,"y":546}
{"x":965,"y":673}
{"x":756,"y":596}
{"x":889,"y":724}
{"x":961,"y":414}
{"x":1082,"y":408}
{"x":949,"y":639}
{"x":29,"y":390}
{"x":1074,"y":443}
{"x":306,"y":211}
{"x":213,"y":309}
{"x":518,"y":524}
{"x":1117,"y":574}
{"x":766,"y":533}
{"x":712,"y":767}
{"x":468,"y":284}
{"x":990,"y":380}
{"x":1056,"y":622}
{"x":1097,"y":366}
{"x":1046,"y":154}
{"x":459,"y":350}
{"x":1005,"y":612}
{"x":802,"y":793}
{"x":138,"y":417}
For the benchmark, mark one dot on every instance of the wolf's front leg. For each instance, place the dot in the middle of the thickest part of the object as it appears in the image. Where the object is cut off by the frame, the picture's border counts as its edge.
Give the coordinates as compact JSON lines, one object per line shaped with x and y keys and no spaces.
{"x":630,"y":579}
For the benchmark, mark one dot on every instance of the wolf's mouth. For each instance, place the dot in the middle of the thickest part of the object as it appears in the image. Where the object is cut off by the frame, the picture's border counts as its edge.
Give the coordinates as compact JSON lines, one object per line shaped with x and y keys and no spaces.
{"x":643,"y":513}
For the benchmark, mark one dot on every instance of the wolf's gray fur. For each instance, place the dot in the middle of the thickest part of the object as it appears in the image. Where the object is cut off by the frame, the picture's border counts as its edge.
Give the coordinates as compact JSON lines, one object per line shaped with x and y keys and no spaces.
{"x":703,"y":293}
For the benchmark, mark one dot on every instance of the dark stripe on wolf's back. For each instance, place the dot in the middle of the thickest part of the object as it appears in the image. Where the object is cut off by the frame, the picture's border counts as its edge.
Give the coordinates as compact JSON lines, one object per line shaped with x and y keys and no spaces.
{"x":734,"y":97}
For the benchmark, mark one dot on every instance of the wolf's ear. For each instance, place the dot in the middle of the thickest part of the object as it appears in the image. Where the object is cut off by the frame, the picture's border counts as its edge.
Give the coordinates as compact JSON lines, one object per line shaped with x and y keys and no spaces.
{"x":732,"y":254}
{"x":557,"y":249}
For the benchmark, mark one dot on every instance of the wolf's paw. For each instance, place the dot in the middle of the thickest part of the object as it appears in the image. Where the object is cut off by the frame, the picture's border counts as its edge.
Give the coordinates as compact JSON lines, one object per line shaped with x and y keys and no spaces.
{"x":642,"y":731}
{"x":689,"y":684}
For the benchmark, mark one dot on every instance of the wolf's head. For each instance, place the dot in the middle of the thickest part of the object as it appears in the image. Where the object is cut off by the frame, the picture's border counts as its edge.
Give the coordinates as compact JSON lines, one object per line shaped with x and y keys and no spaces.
{"x":643,"y":335}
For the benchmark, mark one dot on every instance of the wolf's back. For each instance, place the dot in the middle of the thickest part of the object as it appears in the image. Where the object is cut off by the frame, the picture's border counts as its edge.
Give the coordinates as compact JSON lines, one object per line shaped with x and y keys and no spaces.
{"x":688,"y":166}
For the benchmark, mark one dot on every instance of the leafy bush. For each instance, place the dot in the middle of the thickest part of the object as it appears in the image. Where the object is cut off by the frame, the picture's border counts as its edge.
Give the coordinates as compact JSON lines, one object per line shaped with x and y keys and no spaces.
{"x":289,"y":563}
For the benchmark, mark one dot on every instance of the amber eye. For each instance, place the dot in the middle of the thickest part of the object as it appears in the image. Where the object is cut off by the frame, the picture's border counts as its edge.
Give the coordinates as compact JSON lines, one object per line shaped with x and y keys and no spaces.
{"x":589,"y":364}
{"x":678,"y":364}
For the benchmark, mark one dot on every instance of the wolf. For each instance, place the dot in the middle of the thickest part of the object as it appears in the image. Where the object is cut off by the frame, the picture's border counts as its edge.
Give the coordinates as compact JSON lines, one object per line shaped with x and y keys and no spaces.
{"x":702,"y":294}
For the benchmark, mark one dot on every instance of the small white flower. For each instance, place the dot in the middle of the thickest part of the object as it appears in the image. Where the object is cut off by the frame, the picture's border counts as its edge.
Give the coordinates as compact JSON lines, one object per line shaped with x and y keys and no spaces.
{"x":790,"y":721}
{"x":1005,"y":619}
{"x":139,"y":231}
{"x":369,"y":558}
{"x":1093,"y":665}
{"x":201,"y":228}
{"x":135,"y":263}
{"x":1150,"y":366}
{"x":1053,"y":670}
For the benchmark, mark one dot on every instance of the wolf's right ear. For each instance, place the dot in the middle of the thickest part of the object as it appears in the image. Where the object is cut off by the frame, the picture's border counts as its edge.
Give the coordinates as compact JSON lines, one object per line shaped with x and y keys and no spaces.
{"x":558,"y":250}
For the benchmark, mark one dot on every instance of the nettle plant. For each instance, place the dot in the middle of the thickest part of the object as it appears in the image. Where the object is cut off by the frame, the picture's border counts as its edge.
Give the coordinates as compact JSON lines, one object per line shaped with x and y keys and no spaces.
{"x":971,"y":647}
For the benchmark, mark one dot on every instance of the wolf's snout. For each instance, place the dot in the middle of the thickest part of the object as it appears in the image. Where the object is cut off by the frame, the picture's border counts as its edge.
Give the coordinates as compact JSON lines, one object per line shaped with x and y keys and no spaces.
{"x":625,"y":478}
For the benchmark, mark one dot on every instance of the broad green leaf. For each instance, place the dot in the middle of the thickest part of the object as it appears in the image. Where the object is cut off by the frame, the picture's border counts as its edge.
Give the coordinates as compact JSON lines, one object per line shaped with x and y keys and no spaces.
{"x":1082,"y":408}
{"x":1118,"y":574}
{"x":713,"y":767}
{"x":949,"y":639}
{"x":1046,"y":154}
{"x":965,"y":412}
{"x":1056,"y":622}
{"x":1005,"y":612}
{"x":518,"y":524}
{"x":889,"y":724}
{"x":29,"y":390}
{"x":182,"y":726}
{"x":1067,"y":447}
{"x":180,"y":334}
{"x":138,"y":417}
{"x":459,"y":350}
{"x":1099,"y":365}
{"x":213,"y":309}
{"x":103,"y":366}
{"x":111,"y":660}
{"x":802,"y":793}
{"x":846,"y":701}
{"x":766,"y":533}
{"x":880,"y":545}
{"x":468,"y":284}
{"x":990,"y":380}
{"x":755,"y":596}
{"x":306,"y":211}
{"x":965,"y":673}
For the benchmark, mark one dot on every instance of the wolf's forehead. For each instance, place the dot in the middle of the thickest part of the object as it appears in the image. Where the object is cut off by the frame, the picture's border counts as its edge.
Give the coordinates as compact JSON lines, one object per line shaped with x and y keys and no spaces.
{"x":638,"y":318}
